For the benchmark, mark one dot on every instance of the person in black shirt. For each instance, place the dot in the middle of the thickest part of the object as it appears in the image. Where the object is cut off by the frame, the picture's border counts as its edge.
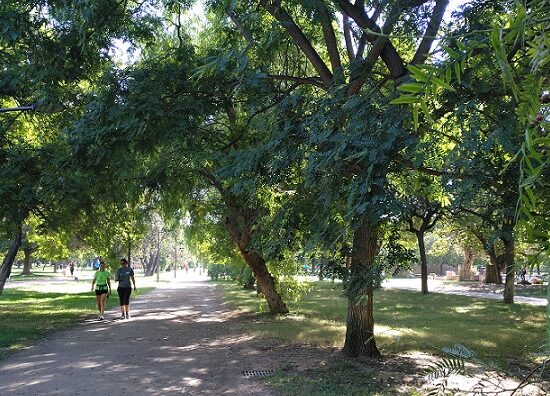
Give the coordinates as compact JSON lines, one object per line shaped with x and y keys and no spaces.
{"x":123,"y":276}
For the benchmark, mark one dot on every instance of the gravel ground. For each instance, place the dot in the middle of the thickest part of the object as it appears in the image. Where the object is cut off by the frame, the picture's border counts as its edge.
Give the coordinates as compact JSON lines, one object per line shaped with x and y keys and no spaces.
{"x":180,"y":340}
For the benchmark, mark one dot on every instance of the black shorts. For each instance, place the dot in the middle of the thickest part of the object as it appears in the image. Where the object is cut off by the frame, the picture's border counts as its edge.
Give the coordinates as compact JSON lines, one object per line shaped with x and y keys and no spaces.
{"x":99,"y":290}
{"x":124,"y":295}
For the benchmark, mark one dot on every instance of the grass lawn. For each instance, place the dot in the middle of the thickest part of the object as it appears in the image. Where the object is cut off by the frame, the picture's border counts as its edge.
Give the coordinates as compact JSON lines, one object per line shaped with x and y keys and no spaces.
{"x":29,"y":315}
{"x":36,"y":274}
{"x":409,"y":321}
{"x":532,"y":291}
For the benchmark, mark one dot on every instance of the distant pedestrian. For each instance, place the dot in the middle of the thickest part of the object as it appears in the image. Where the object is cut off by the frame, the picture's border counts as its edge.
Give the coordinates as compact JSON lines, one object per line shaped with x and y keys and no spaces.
{"x":522,"y":274}
{"x":71,"y":268}
{"x":123,"y":276}
{"x":102,"y":283}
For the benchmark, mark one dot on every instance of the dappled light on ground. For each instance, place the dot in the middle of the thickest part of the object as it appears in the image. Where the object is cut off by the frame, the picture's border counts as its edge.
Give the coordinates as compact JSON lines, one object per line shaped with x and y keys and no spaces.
{"x":176,"y":342}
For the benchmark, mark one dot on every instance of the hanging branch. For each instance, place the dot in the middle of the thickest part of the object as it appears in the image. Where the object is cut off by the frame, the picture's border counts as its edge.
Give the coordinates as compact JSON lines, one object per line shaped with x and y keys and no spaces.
{"x":431,"y":30}
{"x":348,"y":38}
{"x":330,"y":38}
{"x":275,"y":9}
{"x":244,"y":31}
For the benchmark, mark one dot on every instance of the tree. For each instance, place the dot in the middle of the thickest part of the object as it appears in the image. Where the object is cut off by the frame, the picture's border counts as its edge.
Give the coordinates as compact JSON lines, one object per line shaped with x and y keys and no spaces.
{"x":50,"y":51}
{"x":422,"y":216}
{"x":344,"y":83}
{"x":500,"y":113}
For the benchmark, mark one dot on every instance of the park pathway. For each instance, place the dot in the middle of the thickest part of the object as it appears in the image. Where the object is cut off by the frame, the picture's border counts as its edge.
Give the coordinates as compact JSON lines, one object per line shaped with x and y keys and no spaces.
{"x":493,"y":292}
{"x":181,"y":340}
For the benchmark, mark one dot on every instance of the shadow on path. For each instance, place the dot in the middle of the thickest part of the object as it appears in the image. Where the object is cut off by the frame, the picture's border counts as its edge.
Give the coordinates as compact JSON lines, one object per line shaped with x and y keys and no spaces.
{"x":180,"y":340}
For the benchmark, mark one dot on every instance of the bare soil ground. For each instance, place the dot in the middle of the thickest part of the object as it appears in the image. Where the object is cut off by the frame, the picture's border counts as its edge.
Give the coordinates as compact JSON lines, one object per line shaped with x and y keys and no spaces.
{"x":182,"y":340}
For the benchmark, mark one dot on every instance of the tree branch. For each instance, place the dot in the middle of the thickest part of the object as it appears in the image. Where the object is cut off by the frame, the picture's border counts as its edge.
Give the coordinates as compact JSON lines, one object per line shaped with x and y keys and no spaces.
{"x":330,"y":39}
{"x":389,"y":54}
{"x":244,"y":31}
{"x":375,"y":52}
{"x":431,"y":30}
{"x":275,"y":9}
{"x":435,"y":172}
{"x":362,"y":45}
{"x":210,"y":178}
{"x":348,"y":38}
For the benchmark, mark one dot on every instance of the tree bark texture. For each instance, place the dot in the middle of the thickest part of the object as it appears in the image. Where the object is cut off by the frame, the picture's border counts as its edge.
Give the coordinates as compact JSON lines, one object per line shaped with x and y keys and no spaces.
{"x":155,"y":262}
{"x":509,"y":269}
{"x":465,"y":269}
{"x":152,"y":263}
{"x":360,"y":319}
{"x":492,"y":272}
{"x":266,"y":282}
{"x":423,"y":262}
{"x":27,"y":261}
{"x":5,"y":270}
{"x":239,"y":223}
{"x":429,"y":214}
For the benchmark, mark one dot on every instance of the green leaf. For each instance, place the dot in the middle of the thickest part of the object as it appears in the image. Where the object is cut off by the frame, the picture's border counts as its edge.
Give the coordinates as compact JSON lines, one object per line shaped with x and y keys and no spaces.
{"x":405,"y":99}
{"x":457,"y":72}
{"x":452,"y":53}
{"x":425,"y":110}
{"x":418,"y":74}
{"x":411,"y":87}
{"x":442,"y":84}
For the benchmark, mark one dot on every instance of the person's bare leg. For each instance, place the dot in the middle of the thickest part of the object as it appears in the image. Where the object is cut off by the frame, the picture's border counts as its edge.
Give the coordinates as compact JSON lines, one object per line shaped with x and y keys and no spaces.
{"x":103,"y":303}
{"x":98,"y":299}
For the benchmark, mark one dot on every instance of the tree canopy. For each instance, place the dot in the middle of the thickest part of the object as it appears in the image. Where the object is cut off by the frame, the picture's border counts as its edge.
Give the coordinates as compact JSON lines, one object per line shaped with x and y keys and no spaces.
{"x":280,"y":131}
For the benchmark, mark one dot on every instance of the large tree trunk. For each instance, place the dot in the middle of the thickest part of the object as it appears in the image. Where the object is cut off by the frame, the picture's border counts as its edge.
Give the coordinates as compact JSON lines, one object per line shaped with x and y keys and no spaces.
{"x":465,"y":269}
{"x":153,"y":263}
{"x":239,"y":223}
{"x":27,"y":262}
{"x":423,"y":262}
{"x":5,"y":270}
{"x":360,"y":320}
{"x":266,"y":282}
{"x":492,"y":272}
{"x":509,"y":285}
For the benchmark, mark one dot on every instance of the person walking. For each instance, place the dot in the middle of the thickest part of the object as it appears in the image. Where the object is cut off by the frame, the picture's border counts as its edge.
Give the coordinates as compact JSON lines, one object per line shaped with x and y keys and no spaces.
{"x":123,"y":276}
{"x":102,"y":283}
{"x":522,"y":274}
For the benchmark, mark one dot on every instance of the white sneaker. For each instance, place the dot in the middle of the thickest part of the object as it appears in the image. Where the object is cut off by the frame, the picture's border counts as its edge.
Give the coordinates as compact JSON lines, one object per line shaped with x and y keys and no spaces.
{"x":101,"y":317}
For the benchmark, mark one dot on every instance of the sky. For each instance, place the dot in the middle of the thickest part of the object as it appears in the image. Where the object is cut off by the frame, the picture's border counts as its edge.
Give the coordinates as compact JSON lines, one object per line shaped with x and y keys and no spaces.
{"x":453,"y":4}
{"x":120,"y":49}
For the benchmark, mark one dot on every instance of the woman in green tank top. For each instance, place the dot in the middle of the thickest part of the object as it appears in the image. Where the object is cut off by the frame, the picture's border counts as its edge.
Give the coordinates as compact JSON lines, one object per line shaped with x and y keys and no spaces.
{"x":102,"y":283}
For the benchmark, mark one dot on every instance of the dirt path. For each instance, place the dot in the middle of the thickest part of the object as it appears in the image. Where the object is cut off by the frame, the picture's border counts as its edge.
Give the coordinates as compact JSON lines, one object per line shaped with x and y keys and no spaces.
{"x":180,"y":340}
{"x":479,"y":290}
